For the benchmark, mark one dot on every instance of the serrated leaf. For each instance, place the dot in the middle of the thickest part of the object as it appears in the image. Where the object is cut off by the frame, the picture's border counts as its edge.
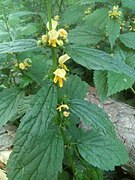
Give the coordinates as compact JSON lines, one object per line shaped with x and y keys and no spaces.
{"x":128,"y":4}
{"x":74,"y":88}
{"x":32,"y":127}
{"x":9,"y":101}
{"x":92,"y":115}
{"x":100,"y":81}
{"x":84,"y":35}
{"x":101,"y":151}
{"x":21,"y":45}
{"x":113,"y":30}
{"x":98,"y":19}
{"x":128,"y":39}
{"x":118,"y":82}
{"x":98,"y":60}
{"x":42,"y":161}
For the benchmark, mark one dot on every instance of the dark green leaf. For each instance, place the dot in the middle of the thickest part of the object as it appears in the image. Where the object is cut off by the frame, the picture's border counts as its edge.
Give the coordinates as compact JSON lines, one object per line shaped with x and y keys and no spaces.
{"x":32,"y":127}
{"x":98,"y":60}
{"x":83,"y":2}
{"x":128,"y":39}
{"x":74,"y":88}
{"x":113,"y":30}
{"x":100,"y":81}
{"x":92,"y":115}
{"x":118,"y":82}
{"x":18,"y":46}
{"x":84,"y":35}
{"x":42,"y":161}
{"x":9,"y":102}
{"x":101,"y":151}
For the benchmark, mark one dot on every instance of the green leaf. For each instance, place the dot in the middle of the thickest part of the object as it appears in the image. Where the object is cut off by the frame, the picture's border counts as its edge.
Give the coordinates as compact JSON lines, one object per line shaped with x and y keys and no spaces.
{"x":113,"y":30}
{"x":28,"y":29}
{"x":84,"y":35}
{"x":92,"y":115}
{"x":128,"y":39}
{"x":118,"y":82}
{"x":21,"y":45}
{"x":9,"y":101}
{"x":33,"y":125}
{"x":104,"y":152}
{"x":42,"y":161}
{"x":74,"y":88}
{"x":128,"y":4}
{"x":100,"y":81}
{"x":98,"y":19}
{"x":98,"y":60}
{"x":72,"y":15}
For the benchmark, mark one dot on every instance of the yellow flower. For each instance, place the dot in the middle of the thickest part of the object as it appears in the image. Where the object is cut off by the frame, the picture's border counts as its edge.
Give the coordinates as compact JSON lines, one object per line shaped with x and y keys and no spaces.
{"x":54,"y":25}
{"x":62,"y":60}
{"x":66,"y":113}
{"x":59,"y":76}
{"x":44,"y":38}
{"x":63,"y":106}
{"x":114,"y":13}
{"x":60,"y":42}
{"x":26,"y":62}
{"x":22,"y":66}
{"x":63,"y":33}
{"x":53,"y":37}
{"x":57,"y":18}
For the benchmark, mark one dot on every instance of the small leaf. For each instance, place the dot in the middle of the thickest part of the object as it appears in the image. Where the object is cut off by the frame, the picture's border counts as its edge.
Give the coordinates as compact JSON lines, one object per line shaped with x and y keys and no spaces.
{"x":32,"y":127}
{"x":92,"y":115}
{"x":118,"y":82}
{"x":128,"y":39}
{"x":21,"y":45}
{"x":74,"y":88}
{"x":113,"y":30}
{"x":98,"y":60}
{"x":42,"y":161}
{"x":104,"y":152}
{"x":100,"y":81}
{"x":9,"y":101}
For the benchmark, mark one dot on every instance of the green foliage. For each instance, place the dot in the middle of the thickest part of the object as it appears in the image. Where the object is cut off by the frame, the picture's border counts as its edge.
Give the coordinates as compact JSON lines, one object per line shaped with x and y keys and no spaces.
{"x":61,"y":135}
{"x":102,"y":151}
{"x":93,"y":116}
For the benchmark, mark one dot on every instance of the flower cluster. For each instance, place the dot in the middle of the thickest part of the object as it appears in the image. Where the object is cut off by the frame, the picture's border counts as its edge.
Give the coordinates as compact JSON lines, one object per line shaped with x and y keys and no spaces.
{"x":23,"y":65}
{"x":60,"y":73}
{"x":115,"y":13}
{"x":64,"y":107}
{"x":54,"y":37}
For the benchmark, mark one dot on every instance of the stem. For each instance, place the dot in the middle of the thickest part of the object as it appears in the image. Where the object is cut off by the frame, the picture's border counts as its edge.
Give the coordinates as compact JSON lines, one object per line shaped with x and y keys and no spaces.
{"x":133,"y":90}
{"x":49,"y":13}
{"x":68,"y":150}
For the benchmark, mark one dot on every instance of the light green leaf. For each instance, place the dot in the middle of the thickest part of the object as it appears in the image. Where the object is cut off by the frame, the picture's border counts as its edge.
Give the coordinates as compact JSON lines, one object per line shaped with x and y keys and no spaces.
{"x":21,"y":45}
{"x":74,"y":88}
{"x":98,"y":60}
{"x":101,"y":151}
{"x":113,"y":30}
{"x":100,"y":81}
{"x":128,"y":4}
{"x":33,"y":126}
{"x":28,"y":29}
{"x":42,"y":161}
{"x":118,"y":82}
{"x":92,"y":115}
{"x":128,"y":39}
{"x":98,"y":19}
{"x":84,"y":35}
{"x":9,"y":101}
